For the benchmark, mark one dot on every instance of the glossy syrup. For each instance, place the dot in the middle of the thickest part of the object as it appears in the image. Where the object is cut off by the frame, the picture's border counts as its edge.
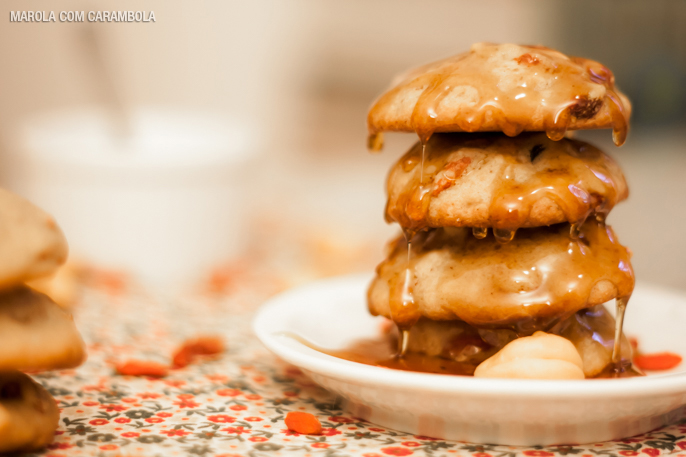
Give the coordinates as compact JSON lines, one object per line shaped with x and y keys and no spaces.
{"x":503,"y":88}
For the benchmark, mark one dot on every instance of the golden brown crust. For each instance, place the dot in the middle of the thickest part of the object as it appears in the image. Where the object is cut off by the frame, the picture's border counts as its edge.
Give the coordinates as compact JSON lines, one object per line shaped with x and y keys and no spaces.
{"x":491,"y":180}
{"x":28,"y":414}
{"x":507,"y":88}
{"x":36,"y":334}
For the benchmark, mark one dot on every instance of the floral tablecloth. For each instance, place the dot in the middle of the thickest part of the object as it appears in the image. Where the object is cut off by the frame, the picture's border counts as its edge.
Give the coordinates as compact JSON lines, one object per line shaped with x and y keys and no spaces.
{"x":235,"y":405}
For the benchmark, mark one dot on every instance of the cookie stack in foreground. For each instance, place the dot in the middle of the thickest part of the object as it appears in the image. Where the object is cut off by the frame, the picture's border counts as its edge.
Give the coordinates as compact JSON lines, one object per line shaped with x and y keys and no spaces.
{"x":35,"y":333}
{"x":506,"y":259}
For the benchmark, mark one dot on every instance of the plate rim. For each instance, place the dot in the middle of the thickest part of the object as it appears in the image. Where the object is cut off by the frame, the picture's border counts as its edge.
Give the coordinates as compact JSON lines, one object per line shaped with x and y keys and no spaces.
{"x":317,"y":362}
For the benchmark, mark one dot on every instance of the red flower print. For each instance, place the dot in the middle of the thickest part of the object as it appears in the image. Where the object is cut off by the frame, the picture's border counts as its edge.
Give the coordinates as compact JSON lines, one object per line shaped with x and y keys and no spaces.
{"x":130,"y":435}
{"x":122,"y":420}
{"x":396,"y":451}
{"x":164,"y":414}
{"x":90,"y":403}
{"x":253,"y":397}
{"x":330,"y":432}
{"x":288,"y":432}
{"x":229,"y":392}
{"x":174,"y":382}
{"x":60,"y":446}
{"x":235,"y":430}
{"x":109,"y":447}
{"x":425,"y":438}
{"x":681,"y":444}
{"x":238,"y":408}
{"x":99,"y":422}
{"x":372,"y":454}
{"x":110,"y":408}
{"x":342,"y":420}
{"x":257,"y":439}
{"x":178,"y":432}
{"x":538,"y":453}
{"x":320,"y":445}
{"x":154,"y":420}
{"x":146,"y":395}
{"x":291,"y":394}
{"x":186,"y":404}
{"x":374,"y":429}
{"x":253,"y":419}
{"x":185,"y":396}
{"x":652,"y":452}
{"x":410,"y":443}
{"x":481,"y":454}
{"x":628,"y":453}
{"x":221,"y":418}
{"x":129,"y":400}
{"x":217,"y":377}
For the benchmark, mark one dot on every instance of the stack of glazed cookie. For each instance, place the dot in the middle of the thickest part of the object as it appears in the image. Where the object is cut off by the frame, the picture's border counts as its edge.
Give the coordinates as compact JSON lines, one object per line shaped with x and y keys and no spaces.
{"x":35,"y":333}
{"x":506,"y":260}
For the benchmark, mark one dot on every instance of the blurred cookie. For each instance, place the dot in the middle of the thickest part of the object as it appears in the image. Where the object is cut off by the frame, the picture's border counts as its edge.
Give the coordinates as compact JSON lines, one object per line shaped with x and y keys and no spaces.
{"x":64,"y":286}
{"x":28,"y":414}
{"x":506,"y":88}
{"x":36,"y":334}
{"x":491,"y":180}
{"x":541,"y":277}
{"x":31,"y":243}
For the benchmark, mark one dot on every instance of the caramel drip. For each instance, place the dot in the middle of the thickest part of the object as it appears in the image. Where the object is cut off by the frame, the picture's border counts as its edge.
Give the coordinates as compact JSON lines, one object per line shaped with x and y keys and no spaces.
{"x":539,"y":278}
{"x":480,"y":232}
{"x":473,"y":92}
{"x":375,"y":142}
{"x":573,"y":175}
{"x":621,"y":303}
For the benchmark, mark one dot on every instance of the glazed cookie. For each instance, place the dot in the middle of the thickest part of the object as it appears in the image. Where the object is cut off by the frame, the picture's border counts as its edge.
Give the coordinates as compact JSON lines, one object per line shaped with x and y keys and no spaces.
{"x":506,"y":88}
{"x":539,"y":278}
{"x":36,"y":334}
{"x":31,"y":243}
{"x":28,"y":414}
{"x":491,"y":180}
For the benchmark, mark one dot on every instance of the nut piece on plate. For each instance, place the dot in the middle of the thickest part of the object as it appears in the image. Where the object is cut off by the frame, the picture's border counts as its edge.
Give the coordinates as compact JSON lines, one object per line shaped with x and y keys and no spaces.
{"x":32,"y":244}
{"x":540,"y":356}
{"x":28,"y":414}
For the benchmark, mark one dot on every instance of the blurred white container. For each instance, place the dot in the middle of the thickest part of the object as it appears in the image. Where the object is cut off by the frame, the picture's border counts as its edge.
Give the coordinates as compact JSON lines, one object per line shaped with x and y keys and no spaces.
{"x":165,"y":202}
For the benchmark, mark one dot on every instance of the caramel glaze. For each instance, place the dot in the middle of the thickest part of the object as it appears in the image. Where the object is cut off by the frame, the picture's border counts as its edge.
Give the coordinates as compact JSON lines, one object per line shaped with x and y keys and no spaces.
{"x":579,"y":178}
{"x":502,"y":92}
{"x":541,"y":277}
{"x":461,"y":351}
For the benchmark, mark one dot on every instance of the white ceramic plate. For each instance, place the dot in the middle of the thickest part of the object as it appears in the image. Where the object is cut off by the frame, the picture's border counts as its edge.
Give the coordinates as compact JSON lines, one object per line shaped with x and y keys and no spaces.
{"x":333,"y":313}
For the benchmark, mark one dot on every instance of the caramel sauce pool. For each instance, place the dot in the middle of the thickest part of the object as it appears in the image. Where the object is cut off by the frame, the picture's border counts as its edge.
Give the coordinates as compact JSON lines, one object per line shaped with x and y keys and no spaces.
{"x":382,"y":352}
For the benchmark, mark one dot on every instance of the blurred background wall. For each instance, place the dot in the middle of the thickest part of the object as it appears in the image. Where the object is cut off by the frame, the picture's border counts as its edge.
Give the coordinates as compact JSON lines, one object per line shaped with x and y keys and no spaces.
{"x":304,"y":72}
